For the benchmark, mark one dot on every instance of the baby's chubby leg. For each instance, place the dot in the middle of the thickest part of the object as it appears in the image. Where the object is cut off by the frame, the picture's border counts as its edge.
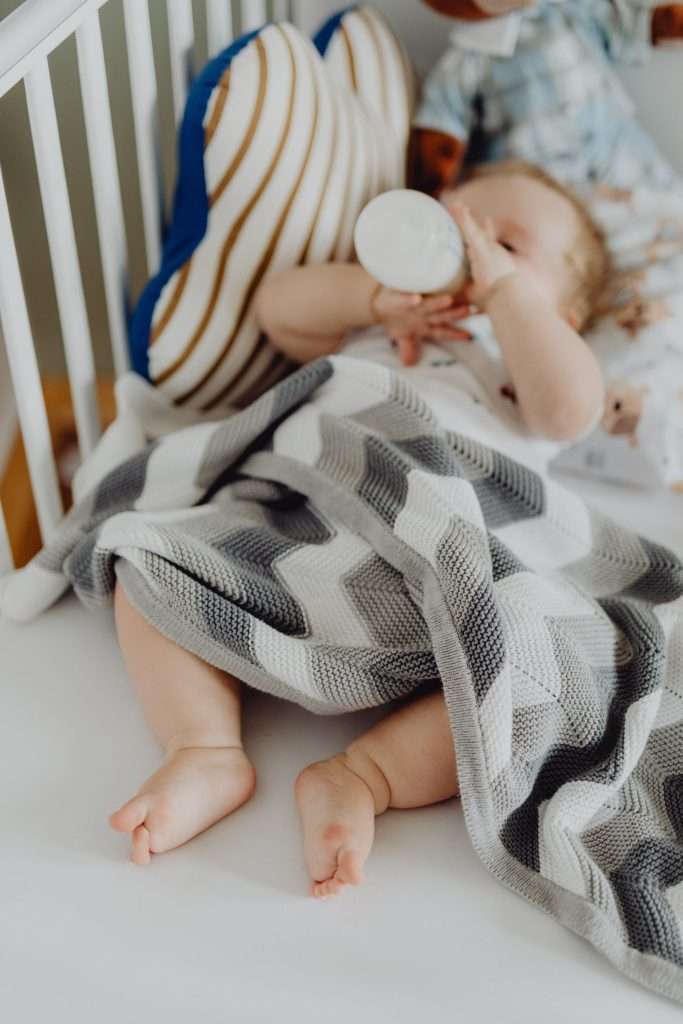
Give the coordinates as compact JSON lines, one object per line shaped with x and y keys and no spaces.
{"x":194,"y":710}
{"x":406,"y":760}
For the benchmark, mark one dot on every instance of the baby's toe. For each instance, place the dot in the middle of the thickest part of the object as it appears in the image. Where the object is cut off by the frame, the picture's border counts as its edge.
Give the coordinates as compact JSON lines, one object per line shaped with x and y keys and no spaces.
{"x":130,"y":815}
{"x":328,"y":887}
{"x":350,"y":867}
{"x":140,"y":853}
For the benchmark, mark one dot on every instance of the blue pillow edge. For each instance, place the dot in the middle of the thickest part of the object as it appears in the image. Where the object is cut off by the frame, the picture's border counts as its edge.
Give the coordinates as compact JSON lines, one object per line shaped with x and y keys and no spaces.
{"x":323,"y":37}
{"x":188,"y":222}
{"x":189,"y":218}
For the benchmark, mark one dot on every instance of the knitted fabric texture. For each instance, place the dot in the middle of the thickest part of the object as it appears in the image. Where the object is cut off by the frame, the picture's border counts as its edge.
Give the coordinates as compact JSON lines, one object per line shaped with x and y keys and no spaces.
{"x":333,"y":545}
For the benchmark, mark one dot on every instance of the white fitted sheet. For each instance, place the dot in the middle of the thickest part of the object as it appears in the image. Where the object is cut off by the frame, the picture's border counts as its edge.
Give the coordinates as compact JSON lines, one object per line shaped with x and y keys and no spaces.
{"x":223,"y":928}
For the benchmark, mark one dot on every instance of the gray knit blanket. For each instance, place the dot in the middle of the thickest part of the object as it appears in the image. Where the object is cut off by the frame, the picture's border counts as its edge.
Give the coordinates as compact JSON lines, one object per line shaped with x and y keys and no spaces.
{"x":335,"y":546}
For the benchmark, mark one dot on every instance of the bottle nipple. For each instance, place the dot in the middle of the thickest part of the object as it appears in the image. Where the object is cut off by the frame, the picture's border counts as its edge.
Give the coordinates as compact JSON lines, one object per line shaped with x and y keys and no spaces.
{"x":409,"y":242}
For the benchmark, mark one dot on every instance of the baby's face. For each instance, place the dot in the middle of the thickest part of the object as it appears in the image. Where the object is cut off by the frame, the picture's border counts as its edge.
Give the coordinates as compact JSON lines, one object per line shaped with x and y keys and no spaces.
{"x":535,"y":224}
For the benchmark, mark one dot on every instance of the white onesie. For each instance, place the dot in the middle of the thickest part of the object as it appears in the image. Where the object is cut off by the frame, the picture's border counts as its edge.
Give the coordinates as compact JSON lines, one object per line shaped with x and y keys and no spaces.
{"x":462,"y":383}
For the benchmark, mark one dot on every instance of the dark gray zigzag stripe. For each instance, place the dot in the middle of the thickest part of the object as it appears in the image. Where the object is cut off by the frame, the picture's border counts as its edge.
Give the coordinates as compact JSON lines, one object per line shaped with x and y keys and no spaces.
{"x":432,"y":454}
{"x":254,"y":426}
{"x":293,"y":517}
{"x":291,"y":391}
{"x":601,"y":760}
{"x":222,"y":619}
{"x":663,"y":581}
{"x":507,"y":491}
{"x":650,"y":867}
{"x":503,"y":562}
{"x":116,"y":492}
{"x":122,"y":486}
{"x":344,"y":674}
{"x":251,"y":553}
{"x":379,"y":595}
{"x":90,"y":572}
{"x":472,"y":601}
{"x":384,"y":485}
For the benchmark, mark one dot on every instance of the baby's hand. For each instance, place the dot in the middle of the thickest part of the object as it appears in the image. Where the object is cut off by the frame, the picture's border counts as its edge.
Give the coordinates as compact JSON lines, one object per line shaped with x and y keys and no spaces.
{"x":489,"y":261}
{"x":410,"y":319}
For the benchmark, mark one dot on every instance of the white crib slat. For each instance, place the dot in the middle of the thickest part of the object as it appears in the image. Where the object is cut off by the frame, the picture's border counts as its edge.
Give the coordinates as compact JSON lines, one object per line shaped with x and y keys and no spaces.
{"x":6,"y":560}
{"x":26,"y":380}
{"x":106,"y":186}
{"x":146,"y":119}
{"x":254,"y":14}
{"x":218,"y":25}
{"x":281,"y":11}
{"x":63,"y":253}
{"x":181,"y":40}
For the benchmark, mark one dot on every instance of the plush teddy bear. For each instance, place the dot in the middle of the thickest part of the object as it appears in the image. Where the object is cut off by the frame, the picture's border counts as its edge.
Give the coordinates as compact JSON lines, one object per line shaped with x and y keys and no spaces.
{"x":624,"y":406}
{"x":549,"y":94}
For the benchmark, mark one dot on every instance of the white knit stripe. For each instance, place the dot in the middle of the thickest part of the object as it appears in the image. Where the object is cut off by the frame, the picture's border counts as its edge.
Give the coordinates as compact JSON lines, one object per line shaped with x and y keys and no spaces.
{"x":674,"y":895}
{"x":538,"y":679}
{"x":27,"y":592}
{"x":561,"y":536}
{"x":313,"y":574}
{"x":226,"y":210}
{"x":670,"y":617}
{"x":495,"y":723}
{"x":172,"y":468}
{"x":555,"y":596}
{"x":283,"y":658}
{"x":428,"y":510}
{"x":593,"y":633}
{"x":573,"y":806}
{"x":134,"y":533}
{"x":364,"y":386}
{"x":299,"y":436}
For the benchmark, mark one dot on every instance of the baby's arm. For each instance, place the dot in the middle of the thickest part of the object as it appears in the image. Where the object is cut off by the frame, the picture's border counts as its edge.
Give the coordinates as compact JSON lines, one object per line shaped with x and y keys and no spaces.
{"x":306,"y":311}
{"x":557,"y":379}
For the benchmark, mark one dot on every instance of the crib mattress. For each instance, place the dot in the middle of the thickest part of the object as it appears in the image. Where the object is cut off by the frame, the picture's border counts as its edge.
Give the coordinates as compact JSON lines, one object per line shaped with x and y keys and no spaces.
{"x":223,"y":928}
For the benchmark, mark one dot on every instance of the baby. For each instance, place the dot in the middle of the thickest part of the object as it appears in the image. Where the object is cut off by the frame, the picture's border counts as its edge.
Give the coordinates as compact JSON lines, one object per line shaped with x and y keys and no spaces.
{"x":505,"y":355}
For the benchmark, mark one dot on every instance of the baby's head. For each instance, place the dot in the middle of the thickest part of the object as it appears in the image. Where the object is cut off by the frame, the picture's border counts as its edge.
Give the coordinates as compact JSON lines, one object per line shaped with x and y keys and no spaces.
{"x":545,"y":227}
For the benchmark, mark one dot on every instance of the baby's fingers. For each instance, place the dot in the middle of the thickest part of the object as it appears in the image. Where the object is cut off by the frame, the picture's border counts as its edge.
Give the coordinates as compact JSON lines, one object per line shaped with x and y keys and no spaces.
{"x":408,"y":349}
{"x":450,"y":316}
{"x":449,"y":334}
{"x":435,"y":304}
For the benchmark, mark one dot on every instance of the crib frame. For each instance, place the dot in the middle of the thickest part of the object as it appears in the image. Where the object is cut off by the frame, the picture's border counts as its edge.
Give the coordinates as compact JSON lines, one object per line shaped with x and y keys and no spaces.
{"x":27,"y":38}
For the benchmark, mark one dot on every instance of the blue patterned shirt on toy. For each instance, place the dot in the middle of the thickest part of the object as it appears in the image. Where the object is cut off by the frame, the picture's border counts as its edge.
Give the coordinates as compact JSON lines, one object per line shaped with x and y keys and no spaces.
{"x":557,"y":101}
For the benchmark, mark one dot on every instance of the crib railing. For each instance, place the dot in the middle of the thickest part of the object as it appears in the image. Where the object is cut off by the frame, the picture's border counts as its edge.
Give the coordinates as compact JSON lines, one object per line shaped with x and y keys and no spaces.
{"x":27,"y":38}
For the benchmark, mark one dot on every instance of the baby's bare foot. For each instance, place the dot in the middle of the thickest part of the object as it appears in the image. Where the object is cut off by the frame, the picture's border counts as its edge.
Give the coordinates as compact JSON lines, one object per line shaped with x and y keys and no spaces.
{"x":193,"y":789}
{"x":338,"y":814}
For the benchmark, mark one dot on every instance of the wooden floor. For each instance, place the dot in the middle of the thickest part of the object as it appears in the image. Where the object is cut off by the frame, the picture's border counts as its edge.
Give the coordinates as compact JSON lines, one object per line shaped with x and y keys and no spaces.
{"x":15,"y":488}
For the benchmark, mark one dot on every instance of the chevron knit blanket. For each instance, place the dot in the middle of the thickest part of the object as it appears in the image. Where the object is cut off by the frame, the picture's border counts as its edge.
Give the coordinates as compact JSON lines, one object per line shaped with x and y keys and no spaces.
{"x":334,"y":545}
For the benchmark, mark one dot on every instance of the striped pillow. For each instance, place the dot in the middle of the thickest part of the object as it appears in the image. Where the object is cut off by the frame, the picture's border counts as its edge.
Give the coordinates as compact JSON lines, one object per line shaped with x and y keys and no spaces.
{"x":279,"y":152}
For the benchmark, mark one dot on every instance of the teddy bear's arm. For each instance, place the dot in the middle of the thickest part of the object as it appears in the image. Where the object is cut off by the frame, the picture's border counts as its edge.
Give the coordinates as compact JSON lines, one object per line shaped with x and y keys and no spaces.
{"x":667,"y":23}
{"x":434,"y":160}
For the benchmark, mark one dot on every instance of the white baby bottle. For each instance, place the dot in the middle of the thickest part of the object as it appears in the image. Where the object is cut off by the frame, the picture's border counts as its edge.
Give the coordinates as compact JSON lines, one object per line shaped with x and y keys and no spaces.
{"x":408,"y":241}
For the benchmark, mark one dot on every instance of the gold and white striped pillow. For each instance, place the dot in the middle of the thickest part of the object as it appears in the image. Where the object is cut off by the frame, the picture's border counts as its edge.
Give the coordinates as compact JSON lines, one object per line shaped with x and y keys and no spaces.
{"x":294,"y":147}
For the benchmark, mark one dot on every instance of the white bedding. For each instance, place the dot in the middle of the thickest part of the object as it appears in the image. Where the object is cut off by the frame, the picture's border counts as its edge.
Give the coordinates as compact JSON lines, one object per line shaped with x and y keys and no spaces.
{"x":223,"y":929}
